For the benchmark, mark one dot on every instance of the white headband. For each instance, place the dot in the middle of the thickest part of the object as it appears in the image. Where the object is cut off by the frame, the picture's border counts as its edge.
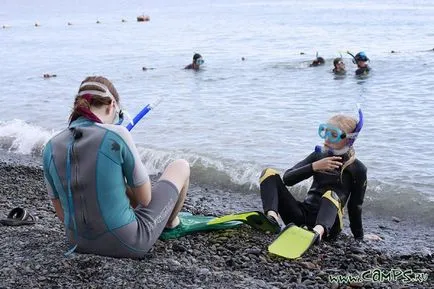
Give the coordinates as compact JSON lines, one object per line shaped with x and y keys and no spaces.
{"x":107,"y":92}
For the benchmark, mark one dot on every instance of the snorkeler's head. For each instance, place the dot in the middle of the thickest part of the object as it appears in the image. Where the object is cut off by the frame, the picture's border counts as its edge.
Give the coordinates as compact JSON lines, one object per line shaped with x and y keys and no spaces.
{"x":337,"y":61}
{"x":361,"y":56}
{"x":97,"y":92}
{"x":340,"y":132}
{"x":197,"y":59}
{"x":318,"y":61}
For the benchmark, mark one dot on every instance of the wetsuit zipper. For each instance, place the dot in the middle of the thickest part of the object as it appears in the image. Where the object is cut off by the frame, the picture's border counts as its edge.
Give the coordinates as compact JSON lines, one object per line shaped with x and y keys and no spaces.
{"x":82,"y":207}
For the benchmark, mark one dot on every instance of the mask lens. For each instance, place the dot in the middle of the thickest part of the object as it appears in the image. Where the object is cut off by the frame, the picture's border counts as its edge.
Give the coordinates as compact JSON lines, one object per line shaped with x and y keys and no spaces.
{"x":322,"y":131}
{"x":200,"y":61}
{"x":119,"y":116}
{"x":330,"y":133}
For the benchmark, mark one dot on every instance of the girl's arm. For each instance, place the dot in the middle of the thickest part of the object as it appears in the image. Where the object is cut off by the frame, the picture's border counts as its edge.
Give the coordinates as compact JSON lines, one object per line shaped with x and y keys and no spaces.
{"x":300,"y":171}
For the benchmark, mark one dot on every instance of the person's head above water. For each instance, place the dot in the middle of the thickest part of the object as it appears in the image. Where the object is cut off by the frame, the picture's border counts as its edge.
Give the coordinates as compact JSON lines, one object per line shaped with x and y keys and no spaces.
{"x":339,"y":65}
{"x":97,"y":100}
{"x":197,"y":62}
{"x":197,"y":59}
{"x":360,"y":59}
{"x":318,"y":61}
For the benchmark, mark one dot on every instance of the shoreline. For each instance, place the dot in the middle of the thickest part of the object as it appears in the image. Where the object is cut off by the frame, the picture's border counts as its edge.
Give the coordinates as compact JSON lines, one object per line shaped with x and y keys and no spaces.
{"x":32,"y":256}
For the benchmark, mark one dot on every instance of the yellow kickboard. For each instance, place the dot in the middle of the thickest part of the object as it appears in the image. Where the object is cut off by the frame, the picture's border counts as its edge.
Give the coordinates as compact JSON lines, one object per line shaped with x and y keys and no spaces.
{"x":292,"y":242}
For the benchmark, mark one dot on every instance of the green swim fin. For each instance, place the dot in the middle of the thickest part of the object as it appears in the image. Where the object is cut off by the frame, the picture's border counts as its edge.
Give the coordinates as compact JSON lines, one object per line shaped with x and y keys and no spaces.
{"x":292,"y":242}
{"x":256,"y":219}
{"x":194,"y":223}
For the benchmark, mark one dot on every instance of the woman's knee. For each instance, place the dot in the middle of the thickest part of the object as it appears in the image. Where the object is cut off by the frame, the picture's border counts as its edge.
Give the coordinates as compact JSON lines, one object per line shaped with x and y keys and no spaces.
{"x":177,"y":172}
{"x":182,"y":166}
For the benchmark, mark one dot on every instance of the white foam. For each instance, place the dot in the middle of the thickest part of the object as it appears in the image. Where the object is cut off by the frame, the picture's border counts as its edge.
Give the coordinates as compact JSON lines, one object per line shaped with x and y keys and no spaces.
{"x":24,"y":138}
{"x":244,"y":173}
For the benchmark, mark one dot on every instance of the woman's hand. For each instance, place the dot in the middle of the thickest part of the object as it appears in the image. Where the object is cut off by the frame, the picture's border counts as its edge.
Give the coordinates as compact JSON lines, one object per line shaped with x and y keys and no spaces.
{"x":372,"y":237}
{"x":327,"y":164}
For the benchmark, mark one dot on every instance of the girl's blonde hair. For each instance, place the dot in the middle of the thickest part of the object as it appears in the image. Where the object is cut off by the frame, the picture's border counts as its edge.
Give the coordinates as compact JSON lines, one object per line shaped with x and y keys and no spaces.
{"x":347,"y":124}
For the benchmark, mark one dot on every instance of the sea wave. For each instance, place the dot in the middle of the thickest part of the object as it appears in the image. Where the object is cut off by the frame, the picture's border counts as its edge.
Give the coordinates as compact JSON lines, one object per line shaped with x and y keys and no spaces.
{"x":394,"y":199}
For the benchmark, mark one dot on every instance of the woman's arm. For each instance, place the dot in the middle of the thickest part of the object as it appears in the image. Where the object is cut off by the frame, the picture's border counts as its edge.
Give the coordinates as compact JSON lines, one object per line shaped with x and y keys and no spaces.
{"x":356,"y":201}
{"x":58,"y":208}
{"x":140,"y":195}
{"x":136,"y":176}
{"x":300,"y":171}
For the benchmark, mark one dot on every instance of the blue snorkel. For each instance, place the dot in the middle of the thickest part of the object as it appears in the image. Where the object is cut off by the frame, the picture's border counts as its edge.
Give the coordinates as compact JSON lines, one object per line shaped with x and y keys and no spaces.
{"x":351,"y":139}
{"x":142,"y":113}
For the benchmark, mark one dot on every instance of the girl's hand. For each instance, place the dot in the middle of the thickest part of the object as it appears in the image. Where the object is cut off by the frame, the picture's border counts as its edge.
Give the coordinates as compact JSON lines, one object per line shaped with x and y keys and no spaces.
{"x":372,"y":237}
{"x":327,"y":164}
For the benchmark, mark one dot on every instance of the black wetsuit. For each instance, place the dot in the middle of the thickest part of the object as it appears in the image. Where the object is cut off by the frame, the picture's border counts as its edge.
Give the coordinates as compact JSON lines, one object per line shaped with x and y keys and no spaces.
{"x":315,"y":209}
{"x":363,"y":70}
{"x":191,"y":66}
{"x":339,"y":72}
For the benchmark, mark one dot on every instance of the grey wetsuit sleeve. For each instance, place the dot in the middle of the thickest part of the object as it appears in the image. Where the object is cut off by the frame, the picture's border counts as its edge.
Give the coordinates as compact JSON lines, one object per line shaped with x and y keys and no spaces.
{"x":134,"y":170}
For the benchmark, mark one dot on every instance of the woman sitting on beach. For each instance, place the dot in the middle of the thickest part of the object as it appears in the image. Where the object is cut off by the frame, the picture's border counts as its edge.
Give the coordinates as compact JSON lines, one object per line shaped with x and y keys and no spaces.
{"x":338,"y":178}
{"x":98,"y":184}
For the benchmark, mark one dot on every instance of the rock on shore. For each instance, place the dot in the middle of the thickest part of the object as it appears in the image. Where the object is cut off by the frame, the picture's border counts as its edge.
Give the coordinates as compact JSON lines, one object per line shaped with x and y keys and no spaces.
{"x":32,"y":256}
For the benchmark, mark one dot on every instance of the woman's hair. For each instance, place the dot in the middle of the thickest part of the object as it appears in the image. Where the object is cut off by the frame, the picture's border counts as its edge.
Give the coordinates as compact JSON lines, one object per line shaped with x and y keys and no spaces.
{"x":196,"y":56}
{"x":348,"y":125}
{"x":336,"y":61}
{"x":83,"y":102}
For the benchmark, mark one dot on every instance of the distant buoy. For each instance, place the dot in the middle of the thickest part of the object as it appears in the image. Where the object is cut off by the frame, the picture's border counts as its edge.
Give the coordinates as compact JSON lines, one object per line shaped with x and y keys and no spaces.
{"x":5,"y":26}
{"x":123,"y":20}
{"x":242,"y":58}
{"x":143,"y":18}
{"x":69,"y":23}
{"x":97,"y":22}
{"x":301,"y":53}
{"x":37,"y":24}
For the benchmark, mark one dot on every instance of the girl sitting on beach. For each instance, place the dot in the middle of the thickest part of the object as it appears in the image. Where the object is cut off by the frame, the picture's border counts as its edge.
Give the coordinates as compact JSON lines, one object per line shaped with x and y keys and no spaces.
{"x":339,"y":178}
{"x":93,"y":173}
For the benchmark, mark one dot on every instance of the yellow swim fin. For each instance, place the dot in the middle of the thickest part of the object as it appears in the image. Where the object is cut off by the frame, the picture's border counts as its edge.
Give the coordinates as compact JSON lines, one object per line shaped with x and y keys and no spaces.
{"x":256,"y":219}
{"x":292,"y":242}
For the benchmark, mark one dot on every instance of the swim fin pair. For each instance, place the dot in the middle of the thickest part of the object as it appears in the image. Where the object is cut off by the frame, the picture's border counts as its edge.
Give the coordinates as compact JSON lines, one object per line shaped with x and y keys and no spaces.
{"x":190,"y":223}
{"x":291,"y":243}
{"x":197,"y":223}
{"x":256,"y":219}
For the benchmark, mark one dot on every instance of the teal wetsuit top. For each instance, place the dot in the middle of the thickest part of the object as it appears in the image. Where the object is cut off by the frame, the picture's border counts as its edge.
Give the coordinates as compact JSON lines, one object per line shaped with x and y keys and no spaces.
{"x":103,"y":160}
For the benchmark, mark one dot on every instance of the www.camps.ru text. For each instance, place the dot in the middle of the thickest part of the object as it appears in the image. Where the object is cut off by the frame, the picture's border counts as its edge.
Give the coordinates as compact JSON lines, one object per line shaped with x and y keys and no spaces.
{"x":380,"y":276}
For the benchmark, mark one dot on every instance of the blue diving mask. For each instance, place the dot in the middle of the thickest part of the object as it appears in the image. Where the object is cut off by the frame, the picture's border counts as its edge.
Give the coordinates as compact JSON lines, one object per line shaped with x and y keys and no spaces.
{"x":334,"y":135}
{"x":119,"y":116}
{"x":199,"y":61}
{"x":331,"y":133}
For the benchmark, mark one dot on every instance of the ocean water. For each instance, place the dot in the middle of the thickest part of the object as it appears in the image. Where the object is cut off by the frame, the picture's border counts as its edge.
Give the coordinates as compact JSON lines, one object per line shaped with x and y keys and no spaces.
{"x":234,"y":117}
